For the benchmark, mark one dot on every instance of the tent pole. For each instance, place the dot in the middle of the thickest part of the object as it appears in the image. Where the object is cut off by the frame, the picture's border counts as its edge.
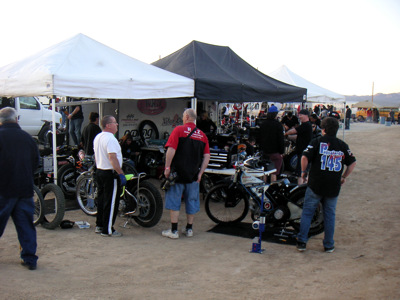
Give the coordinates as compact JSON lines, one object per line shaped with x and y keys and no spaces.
{"x":194,"y":103}
{"x":53,"y":117}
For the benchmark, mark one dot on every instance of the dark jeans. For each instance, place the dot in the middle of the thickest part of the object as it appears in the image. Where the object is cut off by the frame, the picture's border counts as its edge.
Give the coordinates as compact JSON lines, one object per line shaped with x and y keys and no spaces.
{"x":21,"y":211}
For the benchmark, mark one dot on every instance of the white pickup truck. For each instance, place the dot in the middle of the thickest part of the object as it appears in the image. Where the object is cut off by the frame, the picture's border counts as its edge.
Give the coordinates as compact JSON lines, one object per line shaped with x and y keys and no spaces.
{"x":33,"y":117}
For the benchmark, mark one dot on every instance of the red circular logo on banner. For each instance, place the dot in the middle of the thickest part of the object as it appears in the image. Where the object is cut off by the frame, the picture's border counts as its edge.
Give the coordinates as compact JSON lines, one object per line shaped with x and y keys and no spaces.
{"x":152,"y":106}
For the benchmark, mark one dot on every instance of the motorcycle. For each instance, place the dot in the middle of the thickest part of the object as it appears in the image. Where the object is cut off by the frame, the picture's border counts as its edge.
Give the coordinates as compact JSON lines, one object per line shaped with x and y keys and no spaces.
{"x":282,"y":204}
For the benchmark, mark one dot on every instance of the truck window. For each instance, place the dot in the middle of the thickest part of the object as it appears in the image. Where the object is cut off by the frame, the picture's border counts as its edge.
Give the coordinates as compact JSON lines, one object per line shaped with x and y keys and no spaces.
{"x":28,"y":103}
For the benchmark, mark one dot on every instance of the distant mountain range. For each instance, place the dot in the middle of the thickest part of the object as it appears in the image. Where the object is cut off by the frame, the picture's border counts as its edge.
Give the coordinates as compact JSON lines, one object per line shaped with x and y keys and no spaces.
{"x":388,"y":100}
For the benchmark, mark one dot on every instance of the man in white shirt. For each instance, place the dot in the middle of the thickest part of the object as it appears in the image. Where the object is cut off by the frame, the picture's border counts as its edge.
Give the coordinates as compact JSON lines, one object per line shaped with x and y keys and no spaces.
{"x":109,"y":176}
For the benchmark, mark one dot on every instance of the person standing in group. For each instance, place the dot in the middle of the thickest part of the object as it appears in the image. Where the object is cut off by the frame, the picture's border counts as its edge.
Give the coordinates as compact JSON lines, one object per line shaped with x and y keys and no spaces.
{"x":109,"y":176}
{"x":75,"y":124}
{"x":304,"y":134}
{"x":89,"y":133}
{"x":348,"y":116}
{"x":19,"y":159}
{"x":391,"y":115}
{"x":290,"y":121}
{"x":206,"y":125}
{"x":327,"y":155}
{"x":272,"y":140}
{"x":188,"y":154}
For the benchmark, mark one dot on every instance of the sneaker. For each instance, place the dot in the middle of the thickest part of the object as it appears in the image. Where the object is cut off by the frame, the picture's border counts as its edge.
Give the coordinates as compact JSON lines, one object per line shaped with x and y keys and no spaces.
{"x":28,"y":266}
{"x":170,"y":234}
{"x":329,"y":250}
{"x":114,"y":234}
{"x":301,"y":246}
{"x":98,"y":229}
{"x":188,"y":232}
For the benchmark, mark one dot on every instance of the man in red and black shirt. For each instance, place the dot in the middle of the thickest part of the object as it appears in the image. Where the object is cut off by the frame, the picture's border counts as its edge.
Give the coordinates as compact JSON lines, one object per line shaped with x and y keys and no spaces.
{"x":188,"y":154}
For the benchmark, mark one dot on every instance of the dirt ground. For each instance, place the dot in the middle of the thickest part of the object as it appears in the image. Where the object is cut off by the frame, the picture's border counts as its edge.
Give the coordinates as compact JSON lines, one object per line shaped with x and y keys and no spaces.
{"x":79,"y":264}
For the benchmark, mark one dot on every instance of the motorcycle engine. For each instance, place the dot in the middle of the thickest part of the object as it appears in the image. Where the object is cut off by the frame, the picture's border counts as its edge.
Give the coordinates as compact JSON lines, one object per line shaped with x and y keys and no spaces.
{"x":281,"y":213}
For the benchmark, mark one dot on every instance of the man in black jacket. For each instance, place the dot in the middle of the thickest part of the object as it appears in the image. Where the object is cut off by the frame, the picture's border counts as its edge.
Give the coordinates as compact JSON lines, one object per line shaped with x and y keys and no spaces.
{"x":89,"y":133}
{"x":19,"y":159}
{"x":272,"y":143}
{"x":304,"y":135}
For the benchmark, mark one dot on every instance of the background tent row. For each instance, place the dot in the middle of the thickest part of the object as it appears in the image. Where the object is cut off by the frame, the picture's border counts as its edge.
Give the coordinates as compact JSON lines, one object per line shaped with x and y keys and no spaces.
{"x":315,"y":93}
{"x":221,"y":75}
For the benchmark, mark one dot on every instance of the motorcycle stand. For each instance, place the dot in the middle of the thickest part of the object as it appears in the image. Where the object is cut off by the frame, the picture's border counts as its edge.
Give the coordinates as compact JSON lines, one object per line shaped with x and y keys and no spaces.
{"x":256,"y":245}
{"x":128,"y":221}
{"x":283,"y":235}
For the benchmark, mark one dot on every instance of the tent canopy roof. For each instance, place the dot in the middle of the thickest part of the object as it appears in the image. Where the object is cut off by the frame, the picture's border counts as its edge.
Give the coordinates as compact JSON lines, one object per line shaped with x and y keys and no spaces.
{"x":220,"y":74}
{"x":366,"y":104}
{"x":83,"y":67}
{"x":315,"y":93}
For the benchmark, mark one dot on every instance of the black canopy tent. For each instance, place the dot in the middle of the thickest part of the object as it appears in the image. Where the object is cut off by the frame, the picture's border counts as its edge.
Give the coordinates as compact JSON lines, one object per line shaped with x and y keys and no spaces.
{"x":221,"y":75}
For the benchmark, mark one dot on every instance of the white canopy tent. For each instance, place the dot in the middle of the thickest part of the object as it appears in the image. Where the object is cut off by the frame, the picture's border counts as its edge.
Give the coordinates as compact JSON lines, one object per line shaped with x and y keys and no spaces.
{"x":315,"y":93}
{"x":84,"y":68}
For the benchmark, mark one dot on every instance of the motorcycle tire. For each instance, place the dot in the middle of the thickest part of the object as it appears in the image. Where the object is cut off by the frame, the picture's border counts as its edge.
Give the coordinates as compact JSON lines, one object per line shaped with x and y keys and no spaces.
{"x":317,"y":222}
{"x":38,"y":214}
{"x":86,"y":194}
{"x":150,"y":203}
{"x":218,"y":210}
{"x":54,"y":206}
{"x":66,"y":179}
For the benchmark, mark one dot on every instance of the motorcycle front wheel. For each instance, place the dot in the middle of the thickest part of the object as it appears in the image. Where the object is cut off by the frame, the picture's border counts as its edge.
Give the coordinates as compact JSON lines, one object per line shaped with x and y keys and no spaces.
{"x":222,"y":209}
{"x":86,"y":194}
{"x":38,"y":214}
{"x":317,"y":222}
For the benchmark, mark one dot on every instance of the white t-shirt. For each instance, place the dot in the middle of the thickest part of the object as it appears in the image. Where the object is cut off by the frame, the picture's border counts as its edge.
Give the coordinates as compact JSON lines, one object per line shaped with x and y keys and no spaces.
{"x":103,"y":144}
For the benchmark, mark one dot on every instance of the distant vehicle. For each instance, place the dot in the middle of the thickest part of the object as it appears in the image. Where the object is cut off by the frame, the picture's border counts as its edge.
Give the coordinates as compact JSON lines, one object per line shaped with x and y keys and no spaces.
{"x":361,"y":114}
{"x":33,"y":117}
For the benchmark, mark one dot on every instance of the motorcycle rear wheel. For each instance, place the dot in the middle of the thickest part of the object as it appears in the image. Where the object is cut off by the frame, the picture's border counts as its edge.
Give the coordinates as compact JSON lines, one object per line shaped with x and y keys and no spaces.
{"x":317,"y":223}
{"x":219,"y":212}
{"x":66,"y":179}
{"x":150,"y":205}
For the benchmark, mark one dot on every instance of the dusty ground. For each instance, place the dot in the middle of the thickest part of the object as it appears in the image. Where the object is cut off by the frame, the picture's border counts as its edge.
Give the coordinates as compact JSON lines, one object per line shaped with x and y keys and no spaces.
{"x":78,"y":264}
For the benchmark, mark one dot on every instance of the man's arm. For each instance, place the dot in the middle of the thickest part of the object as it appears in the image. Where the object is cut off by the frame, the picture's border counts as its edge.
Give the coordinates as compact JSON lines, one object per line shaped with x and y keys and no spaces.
{"x":168,"y":160}
{"x":347,"y":172}
{"x":115,"y":163}
{"x":204,"y":164}
{"x":304,"y":163}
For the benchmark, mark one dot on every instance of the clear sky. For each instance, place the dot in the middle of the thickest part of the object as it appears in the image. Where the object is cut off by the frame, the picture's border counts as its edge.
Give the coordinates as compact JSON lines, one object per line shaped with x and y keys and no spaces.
{"x":341,"y":45}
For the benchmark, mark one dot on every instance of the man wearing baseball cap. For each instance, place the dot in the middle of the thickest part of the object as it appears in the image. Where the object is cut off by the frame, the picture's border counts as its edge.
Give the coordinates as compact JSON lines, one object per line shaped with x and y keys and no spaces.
{"x":304,"y":135}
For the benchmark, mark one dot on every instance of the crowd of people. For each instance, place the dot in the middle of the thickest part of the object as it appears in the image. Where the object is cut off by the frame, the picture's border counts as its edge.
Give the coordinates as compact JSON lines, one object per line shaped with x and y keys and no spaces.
{"x":324,"y":163}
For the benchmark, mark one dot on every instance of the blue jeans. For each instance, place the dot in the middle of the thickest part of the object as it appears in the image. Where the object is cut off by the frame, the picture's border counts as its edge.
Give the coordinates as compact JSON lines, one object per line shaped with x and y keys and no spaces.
{"x":75,"y":130}
{"x":311,"y":201}
{"x":21,"y":211}
{"x":191,"y":195}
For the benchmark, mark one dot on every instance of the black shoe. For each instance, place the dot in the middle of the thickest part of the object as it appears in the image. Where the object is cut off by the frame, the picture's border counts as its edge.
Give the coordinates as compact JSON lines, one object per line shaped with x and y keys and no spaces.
{"x":29,"y":266}
{"x":301,"y":246}
{"x":329,"y":250}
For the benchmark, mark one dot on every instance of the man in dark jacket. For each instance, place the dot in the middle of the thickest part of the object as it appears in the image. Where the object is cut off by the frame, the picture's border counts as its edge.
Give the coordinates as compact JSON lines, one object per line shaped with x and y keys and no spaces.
{"x":304,"y":135}
{"x":19,"y":159}
{"x":328,"y":155}
{"x":89,"y":133}
{"x":272,"y":143}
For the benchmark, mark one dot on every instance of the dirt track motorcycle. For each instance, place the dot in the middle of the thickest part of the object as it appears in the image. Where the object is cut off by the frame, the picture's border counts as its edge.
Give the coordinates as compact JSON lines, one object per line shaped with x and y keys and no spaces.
{"x":280,"y":202}
{"x":140,"y":201}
